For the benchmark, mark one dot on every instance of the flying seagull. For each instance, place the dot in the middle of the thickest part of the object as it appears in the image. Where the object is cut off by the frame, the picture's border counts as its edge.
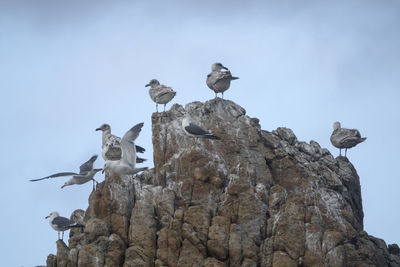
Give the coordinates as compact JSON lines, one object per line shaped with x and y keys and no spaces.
{"x":127,"y":164}
{"x":345,"y":138}
{"x":86,"y":174}
{"x":196,"y":131}
{"x":219,"y":81}
{"x":111,"y":145}
{"x":61,"y":224}
{"x":160,"y":93}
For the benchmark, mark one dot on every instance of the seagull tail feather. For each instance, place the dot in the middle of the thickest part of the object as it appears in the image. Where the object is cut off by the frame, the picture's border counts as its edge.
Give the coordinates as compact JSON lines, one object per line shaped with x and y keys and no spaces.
{"x":75,"y":226}
{"x":211,"y":136}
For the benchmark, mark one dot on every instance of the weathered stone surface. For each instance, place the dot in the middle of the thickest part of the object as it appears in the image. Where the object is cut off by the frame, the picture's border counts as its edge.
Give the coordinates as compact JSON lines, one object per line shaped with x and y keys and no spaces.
{"x":253,"y":198}
{"x":51,"y":261}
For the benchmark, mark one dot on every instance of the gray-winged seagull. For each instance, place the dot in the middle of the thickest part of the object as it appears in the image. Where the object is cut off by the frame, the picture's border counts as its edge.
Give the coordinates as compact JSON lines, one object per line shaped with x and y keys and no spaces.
{"x":160,"y":93}
{"x":345,"y":138}
{"x":196,"y":131}
{"x":111,"y":145}
{"x":86,"y":174}
{"x":219,"y":81}
{"x":127,"y":164}
{"x":61,"y":224}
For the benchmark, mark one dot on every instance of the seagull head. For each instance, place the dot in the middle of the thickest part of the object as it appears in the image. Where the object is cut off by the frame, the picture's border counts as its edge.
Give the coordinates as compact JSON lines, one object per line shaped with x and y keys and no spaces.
{"x":107,"y":166}
{"x":52,"y":215}
{"x":152,"y":83}
{"x":67,"y":183}
{"x":218,"y":67}
{"x":104,"y":127}
{"x":336,"y":125}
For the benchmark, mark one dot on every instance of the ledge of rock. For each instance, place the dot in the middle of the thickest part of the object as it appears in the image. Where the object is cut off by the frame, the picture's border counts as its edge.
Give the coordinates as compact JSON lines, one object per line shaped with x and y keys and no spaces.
{"x":253,"y":198}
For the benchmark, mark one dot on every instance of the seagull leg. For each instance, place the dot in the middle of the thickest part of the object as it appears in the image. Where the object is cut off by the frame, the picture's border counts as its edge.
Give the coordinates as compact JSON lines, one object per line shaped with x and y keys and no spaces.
{"x":222,"y":95}
{"x":94,"y":187}
{"x":58,"y":235}
{"x":156,"y":107}
{"x":62,"y":238}
{"x":340,"y":151}
{"x":164,"y":107}
{"x":193,"y":144}
{"x":345,"y":152}
{"x":216,"y":95}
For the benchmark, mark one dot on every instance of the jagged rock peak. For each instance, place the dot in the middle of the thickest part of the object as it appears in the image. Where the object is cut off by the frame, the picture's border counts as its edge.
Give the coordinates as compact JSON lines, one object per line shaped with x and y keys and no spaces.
{"x":253,"y":198}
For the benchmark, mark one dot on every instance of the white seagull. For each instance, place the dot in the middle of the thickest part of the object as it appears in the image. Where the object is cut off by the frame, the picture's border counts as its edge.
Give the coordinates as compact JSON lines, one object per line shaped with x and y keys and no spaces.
{"x":86,"y":174}
{"x":111,"y":145}
{"x":61,"y":224}
{"x":160,"y":93}
{"x":127,"y":164}
{"x":345,"y":138}
{"x":196,"y":131}
{"x":219,"y":81}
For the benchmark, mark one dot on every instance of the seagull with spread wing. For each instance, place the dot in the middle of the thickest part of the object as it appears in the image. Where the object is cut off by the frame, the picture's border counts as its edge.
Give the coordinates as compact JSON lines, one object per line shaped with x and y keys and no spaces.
{"x":127,"y":164}
{"x":219,"y":81}
{"x":111,"y":145}
{"x":86,"y":174}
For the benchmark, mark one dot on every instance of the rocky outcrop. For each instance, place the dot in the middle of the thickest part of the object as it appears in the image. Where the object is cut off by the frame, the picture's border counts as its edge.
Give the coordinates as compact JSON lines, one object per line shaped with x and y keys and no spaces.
{"x":253,"y":198}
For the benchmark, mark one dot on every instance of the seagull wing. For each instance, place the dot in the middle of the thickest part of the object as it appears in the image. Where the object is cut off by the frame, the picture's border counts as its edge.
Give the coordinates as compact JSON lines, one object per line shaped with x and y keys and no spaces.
{"x":195,"y":129}
{"x":62,"y":222}
{"x":88,"y":165}
{"x":140,"y":149}
{"x":60,"y":174}
{"x":128,"y":145}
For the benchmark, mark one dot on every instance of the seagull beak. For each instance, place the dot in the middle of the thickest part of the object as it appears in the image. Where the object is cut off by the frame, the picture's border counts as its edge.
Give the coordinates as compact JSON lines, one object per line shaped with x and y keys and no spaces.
{"x":63,"y":186}
{"x":225,"y":68}
{"x":147,"y":85}
{"x":98,"y":129}
{"x":97,"y":170}
{"x":47,"y":217}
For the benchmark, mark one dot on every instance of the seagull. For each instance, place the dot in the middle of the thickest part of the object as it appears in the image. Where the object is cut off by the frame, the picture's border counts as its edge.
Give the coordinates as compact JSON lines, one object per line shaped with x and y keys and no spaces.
{"x":219,"y":81}
{"x":345,"y":138}
{"x":111,"y":145}
{"x":196,"y":131}
{"x":127,"y":163}
{"x":61,"y":224}
{"x":86,"y":173}
{"x":160,"y":93}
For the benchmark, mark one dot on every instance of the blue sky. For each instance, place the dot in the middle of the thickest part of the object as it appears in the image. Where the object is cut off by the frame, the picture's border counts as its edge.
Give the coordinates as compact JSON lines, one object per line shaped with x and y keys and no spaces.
{"x":66,"y":68}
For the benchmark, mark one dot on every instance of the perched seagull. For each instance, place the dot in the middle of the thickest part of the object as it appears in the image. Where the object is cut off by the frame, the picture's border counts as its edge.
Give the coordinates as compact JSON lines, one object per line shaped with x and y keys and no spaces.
{"x":61,"y":224}
{"x":86,"y":174}
{"x":345,"y":138}
{"x":196,"y":131}
{"x":111,"y":145}
{"x":160,"y":93}
{"x":219,"y":81}
{"x":127,"y":163}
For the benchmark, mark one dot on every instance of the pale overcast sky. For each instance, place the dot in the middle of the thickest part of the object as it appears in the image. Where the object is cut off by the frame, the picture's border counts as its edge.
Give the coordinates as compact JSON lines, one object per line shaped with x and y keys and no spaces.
{"x":66,"y":67}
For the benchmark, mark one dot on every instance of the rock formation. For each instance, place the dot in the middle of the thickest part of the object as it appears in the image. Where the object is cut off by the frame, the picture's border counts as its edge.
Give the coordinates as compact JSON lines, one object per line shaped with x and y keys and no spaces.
{"x":253,"y":198}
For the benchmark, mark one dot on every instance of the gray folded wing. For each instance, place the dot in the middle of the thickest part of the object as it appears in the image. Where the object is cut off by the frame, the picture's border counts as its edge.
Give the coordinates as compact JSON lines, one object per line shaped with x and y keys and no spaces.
{"x":195,"y":130}
{"x":62,"y":222}
{"x":60,"y":174}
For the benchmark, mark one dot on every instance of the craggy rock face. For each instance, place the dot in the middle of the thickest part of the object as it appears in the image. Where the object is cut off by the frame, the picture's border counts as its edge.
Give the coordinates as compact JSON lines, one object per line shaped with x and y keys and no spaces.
{"x":253,"y":198}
